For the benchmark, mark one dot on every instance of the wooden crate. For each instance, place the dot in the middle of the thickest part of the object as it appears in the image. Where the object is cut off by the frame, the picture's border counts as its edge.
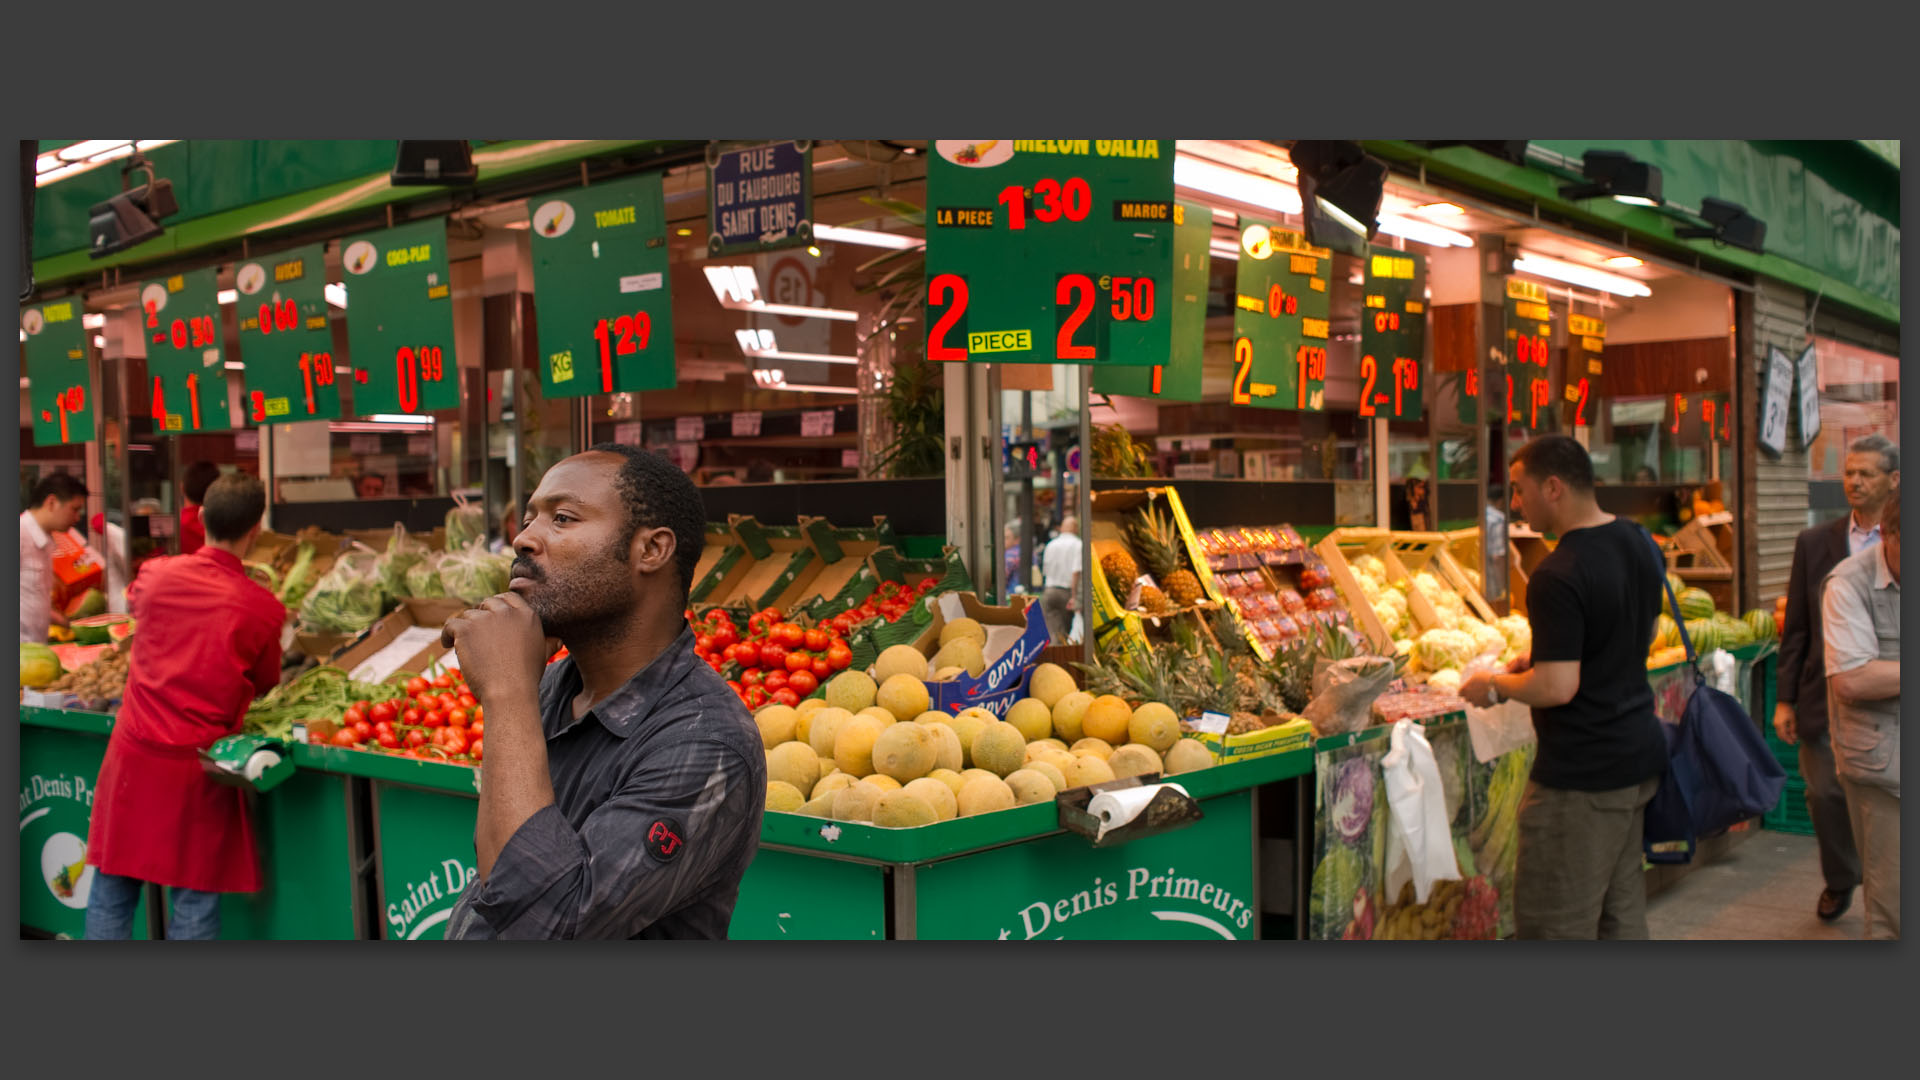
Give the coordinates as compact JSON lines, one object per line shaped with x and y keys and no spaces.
{"x":1525,"y":550}
{"x":1337,"y":550}
{"x":1464,"y":546}
{"x":1428,"y":551}
{"x":1709,"y":539}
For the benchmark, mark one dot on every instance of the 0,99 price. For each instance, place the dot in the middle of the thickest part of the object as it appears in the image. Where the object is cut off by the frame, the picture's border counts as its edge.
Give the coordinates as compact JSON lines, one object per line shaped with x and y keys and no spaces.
{"x":413,"y":365}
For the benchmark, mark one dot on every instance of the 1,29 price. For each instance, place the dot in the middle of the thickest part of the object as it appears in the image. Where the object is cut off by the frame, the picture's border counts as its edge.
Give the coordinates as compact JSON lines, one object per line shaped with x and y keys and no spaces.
{"x":1406,"y":376}
{"x":1072,"y":200}
{"x":634,"y":330}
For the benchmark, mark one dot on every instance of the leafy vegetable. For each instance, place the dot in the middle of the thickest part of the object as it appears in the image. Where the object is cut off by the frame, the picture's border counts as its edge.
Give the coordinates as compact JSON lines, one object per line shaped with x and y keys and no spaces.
{"x":1336,"y":881}
{"x":423,"y":580}
{"x":322,"y":693}
{"x":403,"y":554}
{"x":1439,"y":649}
{"x":299,"y":580}
{"x":348,"y":599}
{"x":466,"y":523}
{"x":473,"y":573}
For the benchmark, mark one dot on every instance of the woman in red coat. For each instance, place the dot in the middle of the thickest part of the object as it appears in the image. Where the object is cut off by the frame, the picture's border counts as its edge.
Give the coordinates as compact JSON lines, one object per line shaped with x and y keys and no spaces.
{"x":208,"y":642}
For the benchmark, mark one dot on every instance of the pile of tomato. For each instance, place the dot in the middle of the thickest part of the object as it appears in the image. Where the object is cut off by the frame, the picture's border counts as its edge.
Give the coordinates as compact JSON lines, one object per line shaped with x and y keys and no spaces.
{"x":777,"y":661}
{"x":890,"y":601}
{"x":437,"y":720}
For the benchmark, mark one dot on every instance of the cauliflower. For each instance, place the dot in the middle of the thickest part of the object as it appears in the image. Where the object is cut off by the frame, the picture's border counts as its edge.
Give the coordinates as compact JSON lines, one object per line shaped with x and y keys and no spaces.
{"x":1447,"y":681}
{"x":1439,"y":649}
{"x":1394,"y":600}
{"x":1370,"y":566}
{"x":1389,"y":618}
{"x":1490,"y":640}
{"x":1518,"y":631}
{"x":1428,"y":584}
{"x":1370,"y":588}
{"x":1473,"y":578}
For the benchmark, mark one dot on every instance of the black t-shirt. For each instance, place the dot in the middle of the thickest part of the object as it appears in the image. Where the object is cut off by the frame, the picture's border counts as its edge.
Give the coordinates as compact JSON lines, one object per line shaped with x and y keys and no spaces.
{"x":1594,"y":599}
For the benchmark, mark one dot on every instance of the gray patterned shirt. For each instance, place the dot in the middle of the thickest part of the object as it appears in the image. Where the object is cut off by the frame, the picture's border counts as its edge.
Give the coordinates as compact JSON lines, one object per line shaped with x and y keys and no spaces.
{"x":657,"y":791}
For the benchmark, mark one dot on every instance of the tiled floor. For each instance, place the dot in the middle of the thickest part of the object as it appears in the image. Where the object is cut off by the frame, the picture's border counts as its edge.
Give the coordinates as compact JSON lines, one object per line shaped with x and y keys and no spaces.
{"x":1765,"y":888}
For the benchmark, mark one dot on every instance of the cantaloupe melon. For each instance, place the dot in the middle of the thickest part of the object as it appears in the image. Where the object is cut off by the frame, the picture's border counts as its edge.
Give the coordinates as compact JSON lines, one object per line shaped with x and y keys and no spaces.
{"x":905,"y":696}
{"x":1030,"y":786}
{"x":1068,"y":715}
{"x":1050,"y":683}
{"x":794,"y":763}
{"x":1032,"y":717}
{"x":776,"y":724}
{"x":851,"y":690}
{"x":853,"y":745}
{"x":1188,"y":755}
{"x":900,"y":660}
{"x":951,"y":778}
{"x":984,"y":795}
{"x":999,"y":748}
{"x":937,"y":794}
{"x":1088,"y":769}
{"x":1055,"y":775}
{"x":1134,"y":759}
{"x":962,"y":628}
{"x":905,"y":751}
{"x":855,"y":802}
{"x":825,"y":726}
{"x":784,"y":797}
{"x":1154,"y":725}
{"x":947,"y":753}
{"x":903,"y":810}
{"x":1107,"y":719}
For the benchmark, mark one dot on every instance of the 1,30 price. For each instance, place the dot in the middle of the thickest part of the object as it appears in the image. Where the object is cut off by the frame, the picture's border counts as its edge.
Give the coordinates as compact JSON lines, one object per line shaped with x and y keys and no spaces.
{"x":1072,"y":200}
{"x":413,"y":365}
{"x":1406,"y":376}
{"x":160,"y":401}
{"x":635,"y":330}
{"x":1130,"y":299}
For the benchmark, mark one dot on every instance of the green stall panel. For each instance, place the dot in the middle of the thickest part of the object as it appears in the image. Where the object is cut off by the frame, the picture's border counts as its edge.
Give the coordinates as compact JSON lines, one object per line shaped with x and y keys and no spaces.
{"x":307,"y":860}
{"x":60,"y":755}
{"x":792,"y":897}
{"x":424,"y":858}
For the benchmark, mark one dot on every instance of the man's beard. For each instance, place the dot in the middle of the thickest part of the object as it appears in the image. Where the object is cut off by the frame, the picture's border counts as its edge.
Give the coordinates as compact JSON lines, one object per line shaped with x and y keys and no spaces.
{"x":585,"y":601}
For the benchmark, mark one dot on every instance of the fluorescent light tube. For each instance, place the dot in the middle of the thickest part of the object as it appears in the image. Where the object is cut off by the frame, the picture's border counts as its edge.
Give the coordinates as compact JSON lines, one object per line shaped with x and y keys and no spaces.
{"x":1579,"y":275}
{"x":1242,"y":187}
{"x":841,"y":234}
{"x":1424,"y":232}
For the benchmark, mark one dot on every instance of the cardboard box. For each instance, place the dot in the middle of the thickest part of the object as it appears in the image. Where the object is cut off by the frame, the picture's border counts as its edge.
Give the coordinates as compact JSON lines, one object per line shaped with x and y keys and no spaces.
{"x":720,"y":548}
{"x":1294,"y":735}
{"x":1016,"y":636}
{"x":433,"y":610}
{"x":395,"y":643}
{"x":776,"y":567}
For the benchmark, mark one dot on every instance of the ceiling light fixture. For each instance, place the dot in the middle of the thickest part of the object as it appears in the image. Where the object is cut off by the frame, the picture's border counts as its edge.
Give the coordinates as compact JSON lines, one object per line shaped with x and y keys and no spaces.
{"x":737,"y":288}
{"x":86,"y":155}
{"x":1424,"y":232}
{"x":228,"y":296}
{"x":1541,"y":266}
{"x":1728,"y":223}
{"x":841,"y":234}
{"x":1613,"y":173}
{"x":93,"y":320}
{"x":1440,"y":209}
{"x":1242,"y":187}
{"x":1623,"y":261}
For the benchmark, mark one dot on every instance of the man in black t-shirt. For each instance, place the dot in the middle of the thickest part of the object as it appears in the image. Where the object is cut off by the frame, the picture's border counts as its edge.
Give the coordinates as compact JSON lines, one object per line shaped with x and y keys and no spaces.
{"x":1592,"y":604}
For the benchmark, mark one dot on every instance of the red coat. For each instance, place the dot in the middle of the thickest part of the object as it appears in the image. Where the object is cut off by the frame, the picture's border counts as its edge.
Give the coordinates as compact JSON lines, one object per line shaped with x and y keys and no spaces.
{"x":207,"y":642}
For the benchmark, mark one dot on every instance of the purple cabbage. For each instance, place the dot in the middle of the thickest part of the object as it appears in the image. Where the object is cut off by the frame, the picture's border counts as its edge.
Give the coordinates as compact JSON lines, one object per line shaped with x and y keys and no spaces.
{"x":1349,"y":798}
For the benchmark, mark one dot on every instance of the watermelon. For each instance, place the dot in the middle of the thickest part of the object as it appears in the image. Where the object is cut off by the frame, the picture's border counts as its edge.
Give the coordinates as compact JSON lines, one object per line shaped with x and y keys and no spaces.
{"x":1762,"y":624}
{"x":1733,"y":632}
{"x":1705,"y":635}
{"x":96,"y":630}
{"x":1695,"y":604}
{"x":1666,"y":632}
{"x":89,"y":603}
{"x":121,"y":631}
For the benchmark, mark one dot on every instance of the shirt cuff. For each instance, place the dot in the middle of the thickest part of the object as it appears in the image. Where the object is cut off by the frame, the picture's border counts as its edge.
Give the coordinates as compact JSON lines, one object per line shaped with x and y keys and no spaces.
{"x":542,"y":852}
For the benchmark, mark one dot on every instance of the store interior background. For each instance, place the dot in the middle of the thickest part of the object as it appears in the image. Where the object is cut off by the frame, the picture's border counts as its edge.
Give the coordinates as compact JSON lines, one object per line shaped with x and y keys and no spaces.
{"x":1321,"y":470}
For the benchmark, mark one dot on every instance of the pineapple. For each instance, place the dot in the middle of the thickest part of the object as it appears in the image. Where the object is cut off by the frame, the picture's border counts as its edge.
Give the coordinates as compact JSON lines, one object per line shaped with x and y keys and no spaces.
{"x":1154,"y":600}
{"x":1120,"y":570}
{"x":1157,"y":537}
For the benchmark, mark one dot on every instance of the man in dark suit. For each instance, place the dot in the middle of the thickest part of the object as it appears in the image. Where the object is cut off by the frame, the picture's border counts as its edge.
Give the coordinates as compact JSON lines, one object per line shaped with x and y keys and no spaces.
{"x":1872,"y":477}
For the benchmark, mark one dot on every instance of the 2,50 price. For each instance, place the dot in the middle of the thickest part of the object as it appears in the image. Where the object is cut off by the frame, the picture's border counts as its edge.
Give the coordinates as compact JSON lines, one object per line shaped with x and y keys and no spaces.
{"x":1130,"y":299}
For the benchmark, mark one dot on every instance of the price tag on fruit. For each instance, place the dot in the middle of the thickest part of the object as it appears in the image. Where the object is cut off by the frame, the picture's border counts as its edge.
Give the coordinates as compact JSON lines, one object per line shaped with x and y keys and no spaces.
{"x":400,"y":289}
{"x":1280,"y":319}
{"x":600,"y":289}
{"x":1393,"y":335}
{"x":1047,"y":251}
{"x":1529,"y":378}
{"x":1179,"y":378}
{"x":186,"y":365}
{"x":285,"y":338}
{"x":59,"y":390}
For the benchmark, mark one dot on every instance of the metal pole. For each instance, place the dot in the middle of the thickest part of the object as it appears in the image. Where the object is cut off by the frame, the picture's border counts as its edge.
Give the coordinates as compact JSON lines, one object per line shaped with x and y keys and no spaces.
{"x":1084,"y":380}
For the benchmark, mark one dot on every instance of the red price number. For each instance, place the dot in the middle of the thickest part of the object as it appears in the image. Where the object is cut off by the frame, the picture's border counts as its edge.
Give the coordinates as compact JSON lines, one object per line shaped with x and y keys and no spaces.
{"x":1679,"y":407}
{"x":1539,"y":399}
{"x":1473,"y":383}
{"x":1529,"y":349}
{"x":160,"y":401}
{"x":1580,"y":406}
{"x":282,"y":316}
{"x":634,"y":332}
{"x":1385,"y":322}
{"x":1406,"y":376}
{"x":1279,"y":303}
{"x":1242,"y":371}
{"x":1311,"y":360}
{"x":69,"y":402}
{"x":947,"y":291}
{"x":411,"y":366}
{"x":1071,"y":199}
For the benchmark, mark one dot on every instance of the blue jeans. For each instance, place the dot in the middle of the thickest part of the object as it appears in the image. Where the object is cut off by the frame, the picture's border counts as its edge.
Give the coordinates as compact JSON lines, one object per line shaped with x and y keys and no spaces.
{"x":113,"y":899}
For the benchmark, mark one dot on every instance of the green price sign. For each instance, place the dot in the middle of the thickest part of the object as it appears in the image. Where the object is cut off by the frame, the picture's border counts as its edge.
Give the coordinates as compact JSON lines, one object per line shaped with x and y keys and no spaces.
{"x":1586,"y":339}
{"x":1179,"y":378}
{"x":59,"y":390}
{"x":1529,"y":386}
{"x":1393,"y":335}
{"x":1050,"y":251}
{"x":285,"y":339}
{"x":400,"y":331}
{"x":600,"y":289}
{"x":1280,"y":312}
{"x":180,"y":317}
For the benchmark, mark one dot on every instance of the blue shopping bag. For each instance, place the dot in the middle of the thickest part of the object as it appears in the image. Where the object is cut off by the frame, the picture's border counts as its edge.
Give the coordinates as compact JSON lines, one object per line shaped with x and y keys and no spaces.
{"x":1719,"y":769}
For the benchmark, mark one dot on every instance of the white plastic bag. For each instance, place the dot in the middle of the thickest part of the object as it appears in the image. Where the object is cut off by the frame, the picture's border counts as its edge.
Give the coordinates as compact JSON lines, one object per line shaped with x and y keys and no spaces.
{"x":1501,"y":729}
{"x":1420,"y":841}
{"x":1721,"y":671}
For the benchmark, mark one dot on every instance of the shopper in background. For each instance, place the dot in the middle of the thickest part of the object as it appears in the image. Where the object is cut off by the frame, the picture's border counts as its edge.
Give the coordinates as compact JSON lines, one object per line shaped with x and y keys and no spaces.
{"x":622,"y":786}
{"x":56,"y":504}
{"x":1060,"y":563}
{"x":1860,"y":612}
{"x":1592,"y":603}
{"x":200,"y":476}
{"x":208,"y":643}
{"x":1872,"y":474}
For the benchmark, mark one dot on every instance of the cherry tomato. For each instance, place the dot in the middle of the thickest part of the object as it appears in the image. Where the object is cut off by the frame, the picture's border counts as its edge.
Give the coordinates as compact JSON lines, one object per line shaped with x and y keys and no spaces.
{"x":383,"y":711}
{"x":748,"y":654}
{"x":786,"y":696}
{"x":447,"y":702}
{"x":839,"y":656}
{"x":354,"y":715}
{"x":730,"y":654}
{"x":467,"y":702}
{"x":454,"y":674}
{"x":724,"y":634}
{"x":799,"y":661}
{"x":457,"y":718}
{"x":423,"y":702}
{"x":704,"y":643}
{"x":435,"y":718}
{"x":803,"y":682}
{"x":382,"y":728}
{"x":346,"y":736}
{"x":475,"y":748}
{"x":756,"y":697}
{"x":775,"y":680}
{"x":752,"y":677}
{"x":773,"y":656}
{"x":772,"y":615}
{"x":442,"y":681}
{"x":792,"y":635}
{"x":363,"y":729}
{"x":927,"y":586}
{"x":415,"y":738}
{"x":417,"y":686}
{"x":821,"y":667}
{"x":413,"y":717}
{"x":476,"y":729}
{"x":455,"y":742}
{"x":715,"y":663}
{"x":817,"y":639}
{"x":387,"y":739}
{"x":478,"y":711}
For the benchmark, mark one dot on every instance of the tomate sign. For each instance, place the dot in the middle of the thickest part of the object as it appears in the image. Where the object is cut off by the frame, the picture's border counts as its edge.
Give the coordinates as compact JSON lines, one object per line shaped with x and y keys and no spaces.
{"x":180,"y":317}
{"x":1393,"y":335}
{"x":285,"y":339}
{"x":56,"y":358}
{"x":1280,"y":320}
{"x":1046,"y":251}
{"x":400,"y":319}
{"x":600,"y":289}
